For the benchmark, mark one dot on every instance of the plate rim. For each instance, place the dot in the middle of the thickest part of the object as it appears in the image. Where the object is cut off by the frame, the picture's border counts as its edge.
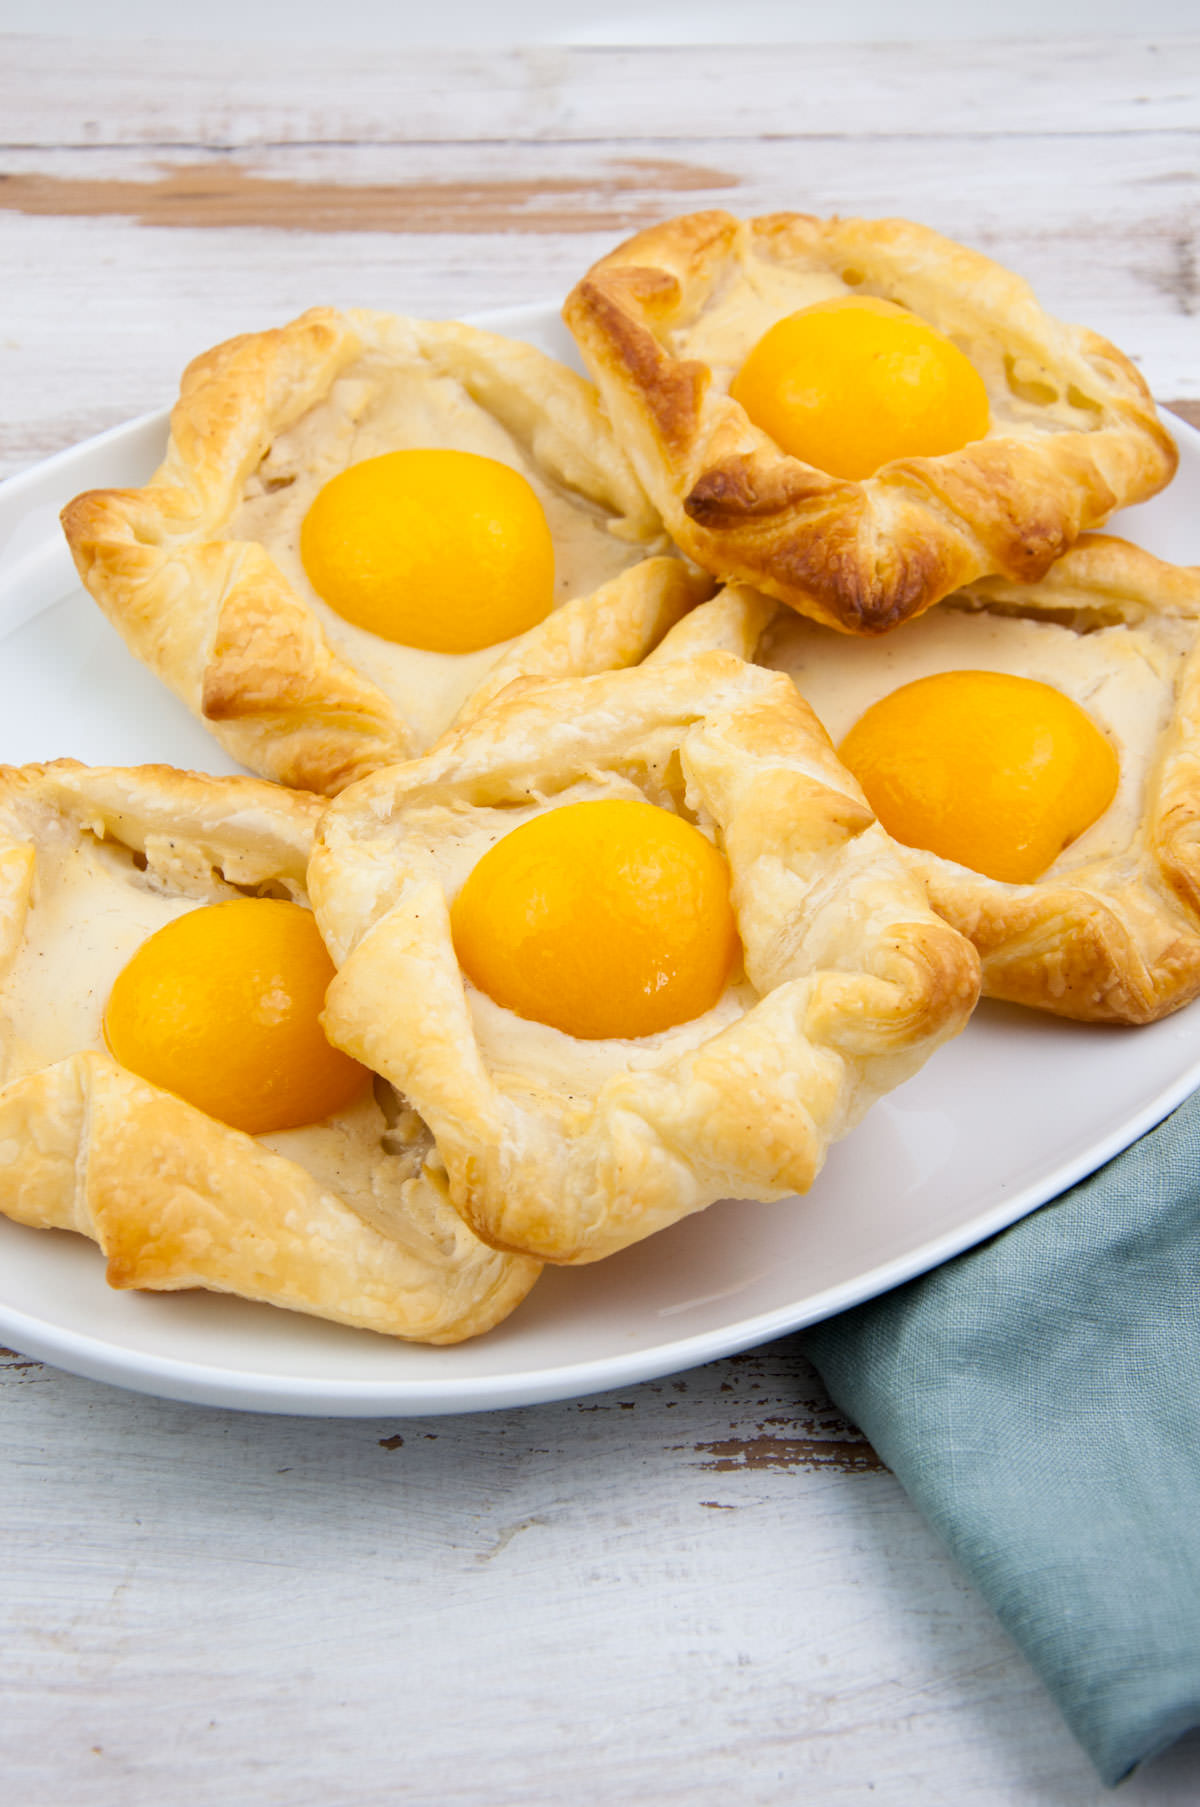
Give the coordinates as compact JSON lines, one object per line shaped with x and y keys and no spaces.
{"x":95,"y":1357}
{"x":196,"y":1383}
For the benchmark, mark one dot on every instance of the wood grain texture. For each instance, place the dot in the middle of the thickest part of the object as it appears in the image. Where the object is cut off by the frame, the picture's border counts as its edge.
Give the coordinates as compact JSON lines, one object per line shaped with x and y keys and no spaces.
{"x":171,"y":200}
{"x":1186,"y":410}
{"x":97,"y":92}
{"x":1106,"y":233}
{"x":226,"y":194}
{"x":564,"y":1604}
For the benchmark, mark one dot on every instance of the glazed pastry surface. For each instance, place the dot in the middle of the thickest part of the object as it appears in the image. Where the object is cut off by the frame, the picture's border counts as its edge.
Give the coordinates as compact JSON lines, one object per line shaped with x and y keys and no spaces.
{"x":345,"y":1219}
{"x":665,"y":321}
{"x":570,"y":1149}
{"x":1111,"y":931}
{"x":201,"y":570}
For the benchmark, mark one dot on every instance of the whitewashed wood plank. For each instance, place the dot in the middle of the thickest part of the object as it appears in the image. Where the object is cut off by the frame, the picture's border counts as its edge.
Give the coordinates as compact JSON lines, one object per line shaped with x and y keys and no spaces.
{"x":568,"y":1603}
{"x":1124,"y":217}
{"x":107,"y":91}
{"x":1089,"y":184}
{"x":571,"y":1603}
{"x":107,"y":313}
{"x":1106,"y":230}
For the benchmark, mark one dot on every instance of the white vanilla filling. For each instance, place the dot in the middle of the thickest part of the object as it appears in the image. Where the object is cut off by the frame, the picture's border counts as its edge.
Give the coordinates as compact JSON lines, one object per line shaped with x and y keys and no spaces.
{"x":526,"y":1057}
{"x":1126,"y":678}
{"x":379,"y":406}
{"x":90,"y":912}
{"x":744,"y":308}
{"x":1024,"y":396}
{"x":91,"y":909}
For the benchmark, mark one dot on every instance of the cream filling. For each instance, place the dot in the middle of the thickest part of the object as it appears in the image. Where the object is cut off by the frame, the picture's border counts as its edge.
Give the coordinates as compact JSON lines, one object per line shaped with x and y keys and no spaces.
{"x":533,"y":1060}
{"x":91,"y":910}
{"x":364,"y":1159}
{"x":377,"y":406}
{"x":1025,"y":397}
{"x":1126,"y":678}
{"x":527,"y":1058}
{"x":739,"y":313}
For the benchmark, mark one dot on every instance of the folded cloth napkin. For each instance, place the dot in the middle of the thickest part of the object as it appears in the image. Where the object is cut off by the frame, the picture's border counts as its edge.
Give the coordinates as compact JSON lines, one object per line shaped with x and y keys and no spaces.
{"x":1039,"y":1399}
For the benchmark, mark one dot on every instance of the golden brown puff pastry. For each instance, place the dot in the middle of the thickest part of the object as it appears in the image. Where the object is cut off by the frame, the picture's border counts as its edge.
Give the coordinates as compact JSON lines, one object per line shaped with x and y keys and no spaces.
{"x":346,"y":1219}
{"x":201,"y":573}
{"x":570,"y":1149}
{"x":1111,"y":932}
{"x":665,"y":322}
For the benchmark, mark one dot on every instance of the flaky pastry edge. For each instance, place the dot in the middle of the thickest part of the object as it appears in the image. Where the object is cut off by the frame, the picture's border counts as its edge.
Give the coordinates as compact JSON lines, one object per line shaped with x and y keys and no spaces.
{"x":858,"y":980}
{"x":173,"y":1198}
{"x":857,"y":556}
{"x":1119,"y":952}
{"x":223,"y":627}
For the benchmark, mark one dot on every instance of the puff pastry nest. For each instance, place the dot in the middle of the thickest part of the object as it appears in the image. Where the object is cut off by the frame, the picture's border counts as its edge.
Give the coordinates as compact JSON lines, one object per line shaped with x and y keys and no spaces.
{"x":347,"y":1220}
{"x":665,"y":321}
{"x":569,"y":1150}
{"x":231,"y":624}
{"x":1106,"y":936}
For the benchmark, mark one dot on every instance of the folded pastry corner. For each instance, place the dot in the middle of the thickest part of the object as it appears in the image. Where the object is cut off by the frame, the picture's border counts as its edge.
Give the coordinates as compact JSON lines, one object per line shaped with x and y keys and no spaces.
{"x":201,"y":570}
{"x":345,"y":1219}
{"x":1110,"y":931}
{"x":568,"y":1147}
{"x":666,"y":321}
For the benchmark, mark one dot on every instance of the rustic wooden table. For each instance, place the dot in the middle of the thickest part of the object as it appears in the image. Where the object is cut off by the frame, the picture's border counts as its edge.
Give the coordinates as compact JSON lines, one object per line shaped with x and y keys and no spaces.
{"x":701,"y":1590}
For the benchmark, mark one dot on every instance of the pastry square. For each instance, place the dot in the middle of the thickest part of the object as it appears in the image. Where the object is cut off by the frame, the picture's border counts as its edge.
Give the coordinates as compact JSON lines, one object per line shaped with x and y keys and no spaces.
{"x":201,"y":571}
{"x":665,"y":322}
{"x":570,"y":1148}
{"x":345,"y":1219}
{"x":1111,"y":930}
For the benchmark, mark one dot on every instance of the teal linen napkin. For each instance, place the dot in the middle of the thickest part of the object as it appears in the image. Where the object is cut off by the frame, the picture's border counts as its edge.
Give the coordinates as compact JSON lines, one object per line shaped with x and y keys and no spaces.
{"x":1039,"y":1399}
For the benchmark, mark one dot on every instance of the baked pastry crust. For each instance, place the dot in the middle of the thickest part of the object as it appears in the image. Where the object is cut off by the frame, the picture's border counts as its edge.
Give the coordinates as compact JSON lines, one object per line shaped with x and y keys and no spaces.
{"x":173,"y":1198}
{"x":1116,"y":939}
{"x":665,"y":321}
{"x":250,"y":649}
{"x":570,"y":1150}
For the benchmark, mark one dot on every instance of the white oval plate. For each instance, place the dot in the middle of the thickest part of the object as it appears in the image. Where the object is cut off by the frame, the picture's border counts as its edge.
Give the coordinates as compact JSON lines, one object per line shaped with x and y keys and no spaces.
{"x":1001,"y":1120}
